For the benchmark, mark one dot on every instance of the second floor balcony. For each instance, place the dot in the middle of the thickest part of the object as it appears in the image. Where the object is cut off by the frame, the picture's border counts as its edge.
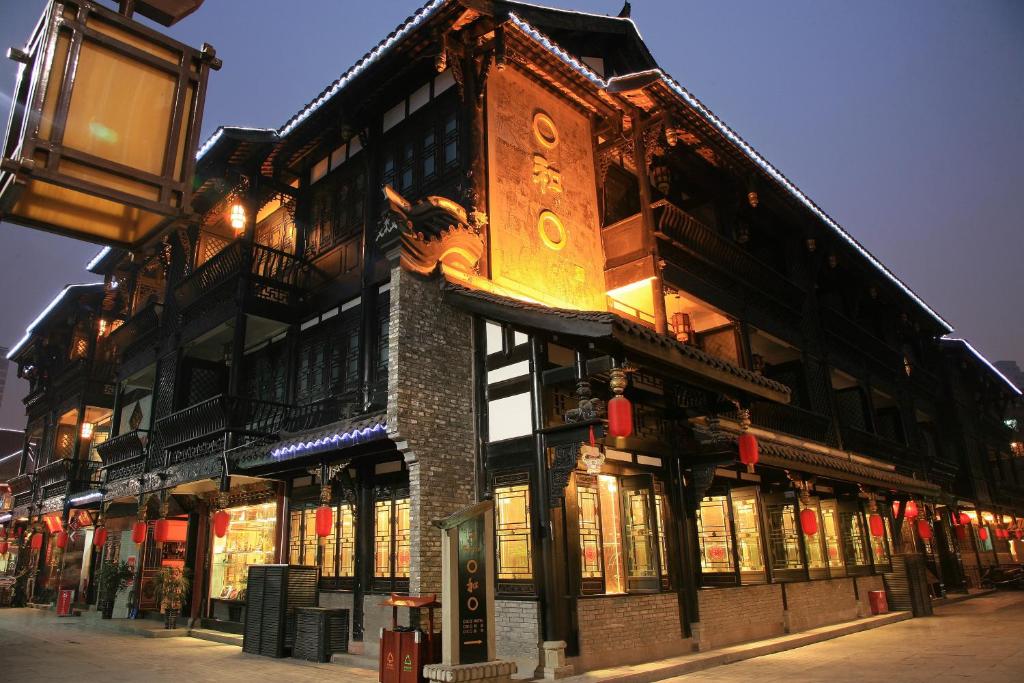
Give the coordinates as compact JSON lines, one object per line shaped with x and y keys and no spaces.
{"x":22,"y":489}
{"x":125,"y":455}
{"x":261,"y":280}
{"x":66,"y":477}
{"x":134,"y":336}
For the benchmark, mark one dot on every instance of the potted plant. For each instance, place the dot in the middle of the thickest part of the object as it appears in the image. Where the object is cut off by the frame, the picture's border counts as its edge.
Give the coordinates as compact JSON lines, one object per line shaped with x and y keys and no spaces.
{"x":170,"y":585}
{"x":112,"y":577}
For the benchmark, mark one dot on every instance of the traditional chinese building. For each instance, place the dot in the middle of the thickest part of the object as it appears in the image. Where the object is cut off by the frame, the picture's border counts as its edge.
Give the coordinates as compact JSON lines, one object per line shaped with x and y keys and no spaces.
{"x":506,"y":256}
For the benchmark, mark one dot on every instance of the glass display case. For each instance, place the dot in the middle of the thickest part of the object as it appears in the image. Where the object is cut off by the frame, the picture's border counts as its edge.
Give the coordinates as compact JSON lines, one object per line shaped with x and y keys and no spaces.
{"x":250,"y":540}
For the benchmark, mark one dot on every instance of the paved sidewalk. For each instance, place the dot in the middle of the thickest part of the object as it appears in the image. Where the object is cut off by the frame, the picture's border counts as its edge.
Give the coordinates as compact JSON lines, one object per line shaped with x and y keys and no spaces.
{"x":977,"y":640}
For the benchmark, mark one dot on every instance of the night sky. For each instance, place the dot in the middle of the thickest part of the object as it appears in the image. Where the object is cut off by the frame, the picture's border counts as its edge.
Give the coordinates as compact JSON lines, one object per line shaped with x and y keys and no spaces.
{"x":903,"y":120}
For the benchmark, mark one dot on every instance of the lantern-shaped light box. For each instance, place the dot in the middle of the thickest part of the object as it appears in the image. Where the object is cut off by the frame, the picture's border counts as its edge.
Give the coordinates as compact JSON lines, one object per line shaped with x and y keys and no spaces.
{"x":104,"y":123}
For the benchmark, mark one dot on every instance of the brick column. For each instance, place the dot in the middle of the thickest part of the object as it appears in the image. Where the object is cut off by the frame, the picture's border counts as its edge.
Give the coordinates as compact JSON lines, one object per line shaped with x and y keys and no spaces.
{"x":430,"y":413}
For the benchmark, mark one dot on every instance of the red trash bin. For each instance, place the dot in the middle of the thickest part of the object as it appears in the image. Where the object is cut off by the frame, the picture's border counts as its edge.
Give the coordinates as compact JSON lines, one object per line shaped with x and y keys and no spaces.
{"x":879,"y":605}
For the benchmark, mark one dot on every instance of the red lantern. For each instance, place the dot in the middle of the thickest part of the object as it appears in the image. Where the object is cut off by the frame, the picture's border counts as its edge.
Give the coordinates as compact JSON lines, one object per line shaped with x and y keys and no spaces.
{"x":911,"y":509}
{"x":983,"y":533}
{"x":62,"y":539}
{"x":324,"y":521}
{"x":160,"y":530}
{"x":877,"y":526}
{"x":3,"y":547}
{"x":924,"y":529}
{"x":620,"y":416}
{"x":748,"y":449}
{"x":1020,"y":534}
{"x":964,"y":519}
{"x":809,"y":521}
{"x":139,"y":533}
{"x":961,"y":532}
{"x":3,"y":533}
{"x":221,"y":522}
{"x":99,"y":536}
{"x":37,"y":541}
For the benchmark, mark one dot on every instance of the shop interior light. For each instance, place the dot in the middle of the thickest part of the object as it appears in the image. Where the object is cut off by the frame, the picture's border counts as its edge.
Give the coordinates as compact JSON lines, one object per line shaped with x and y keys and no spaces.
{"x":86,"y":430}
{"x":237,"y":217}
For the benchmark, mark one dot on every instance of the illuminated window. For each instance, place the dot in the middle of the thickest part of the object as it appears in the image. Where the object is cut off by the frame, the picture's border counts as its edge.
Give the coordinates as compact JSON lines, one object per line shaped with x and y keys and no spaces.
{"x":830,"y":526}
{"x":391,"y":536}
{"x":748,"y":532}
{"x":783,"y":536}
{"x":815,"y":545}
{"x":714,"y":529}
{"x":617,"y":527}
{"x":853,"y":538}
{"x":662,"y":531}
{"x":512,"y":530}
{"x":339,"y":547}
{"x":880,"y":545}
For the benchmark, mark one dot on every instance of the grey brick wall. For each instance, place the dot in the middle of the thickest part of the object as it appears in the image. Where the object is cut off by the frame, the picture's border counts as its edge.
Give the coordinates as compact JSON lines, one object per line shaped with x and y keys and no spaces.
{"x":816,"y":603}
{"x":517,"y":633}
{"x":735,"y":615}
{"x":430,"y":413}
{"x":625,"y":629}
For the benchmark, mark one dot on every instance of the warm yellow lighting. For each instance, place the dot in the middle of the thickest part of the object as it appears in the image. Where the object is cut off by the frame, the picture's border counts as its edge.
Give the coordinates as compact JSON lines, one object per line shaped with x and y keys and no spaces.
{"x":238,"y":217}
{"x":544,"y":130}
{"x":103,"y":327}
{"x":988,"y":517}
{"x":1007,"y":519}
{"x":86,"y":430}
{"x":972,"y":515}
{"x":619,"y":292}
{"x":552,"y":231}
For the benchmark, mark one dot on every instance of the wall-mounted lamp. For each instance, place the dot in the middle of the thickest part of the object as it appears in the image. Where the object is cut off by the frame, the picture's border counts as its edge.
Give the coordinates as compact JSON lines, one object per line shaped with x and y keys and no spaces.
{"x":86,"y":430}
{"x":238,"y":217}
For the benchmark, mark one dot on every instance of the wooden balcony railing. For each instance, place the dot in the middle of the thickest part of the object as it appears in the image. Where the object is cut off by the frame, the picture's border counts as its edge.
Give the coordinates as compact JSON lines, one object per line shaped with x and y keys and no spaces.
{"x":873,"y":445}
{"x":319,"y":413}
{"x":856,"y":337}
{"x":22,"y":489}
{"x":777,"y":417}
{"x":124,"y":447}
{"x":137,"y":330}
{"x":275,"y":276}
{"x":64,"y":476}
{"x":194,"y":430}
{"x":675,"y":225}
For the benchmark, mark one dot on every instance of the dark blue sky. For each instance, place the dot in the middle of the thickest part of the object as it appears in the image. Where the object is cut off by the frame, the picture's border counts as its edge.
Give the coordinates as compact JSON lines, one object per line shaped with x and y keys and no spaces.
{"x":903,"y":120}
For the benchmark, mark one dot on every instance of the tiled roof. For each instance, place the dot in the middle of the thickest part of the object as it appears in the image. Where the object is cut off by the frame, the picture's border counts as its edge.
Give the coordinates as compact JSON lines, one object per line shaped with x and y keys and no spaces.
{"x":333,"y":436}
{"x":605,"y":324}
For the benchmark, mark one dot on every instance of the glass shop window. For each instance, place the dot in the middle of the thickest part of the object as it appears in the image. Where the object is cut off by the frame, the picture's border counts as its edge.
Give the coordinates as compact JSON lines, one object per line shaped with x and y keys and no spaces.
{"x":619,"y":538}
{"x":662,"y":510}
{"x":391,"y":538}
{"x":880,"y":544}
{"x":714,"y":529}
{"x":854,"y":547}
{"x":339,"y":547}
{"x":783,"y":535}
{"x":815,"y":545}
{"x":830,"y":526}
{"x":512,"y":532}
{"x":748,"y":533}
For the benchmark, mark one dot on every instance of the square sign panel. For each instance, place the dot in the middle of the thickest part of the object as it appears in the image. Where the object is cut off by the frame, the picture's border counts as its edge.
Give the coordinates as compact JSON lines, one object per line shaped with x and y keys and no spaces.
{"x":104,"y":126}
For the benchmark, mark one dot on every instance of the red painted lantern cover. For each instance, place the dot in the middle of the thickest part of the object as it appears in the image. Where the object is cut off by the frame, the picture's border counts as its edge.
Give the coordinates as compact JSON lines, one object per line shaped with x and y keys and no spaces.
{"x":748,"y":449}
{"x":221,"y":522}
{"x":924,"y":529}
{"x":620,"y":416}
{"x":911,"y":511}
{"x":983,"y":533}
{"x":3,"y":547}
{"x":62,"y":539}
{"x":139,"y":533}
{"x":37,"y":541}
{"x":3,"y":532}
{"x":961,"y":532}
{"x":964,"y":519}
{"x":877,"y":526}
{"x":160,"y":530}
{"x":324,"y":521}
{"x":99,"y":537}
{"x":809,"y":521}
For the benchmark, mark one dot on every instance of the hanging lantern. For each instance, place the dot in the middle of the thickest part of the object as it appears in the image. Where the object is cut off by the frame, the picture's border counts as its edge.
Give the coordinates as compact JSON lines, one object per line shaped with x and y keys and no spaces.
{"x":877,"y":526}
{"x":592,"y":455}
{"x":324,"y":521}
{"x":221,"y":522}
{"x":909,"y":513}
{"x":62,"y":539}
{"x":3,"y":533}
{"x":139,"y":533}
{"x":964,"y":519}
{"x":161,"y":530}
{"x":809,"y":521}
{"x":99,"y":536}
{"x":620,"y":410}
{"x":924,"y":529}
{"x":661,"y":175}
{"x":961,"y":532}
{"x":238,"y":217}
{"x":983,"y":533}
{"x":749,"y":454}
{"x":3,"y":547}
{"x":37,"y":541}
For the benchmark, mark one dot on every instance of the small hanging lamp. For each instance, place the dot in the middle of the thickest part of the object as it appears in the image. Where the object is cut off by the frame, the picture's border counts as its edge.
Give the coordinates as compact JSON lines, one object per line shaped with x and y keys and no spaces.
{"x":99,"y":537}
{"x":620,"y":410}
{"x":221,"y":518}
{"x":877,"y":525}
{"x":747,"y":442}
{"x":809,"y":521}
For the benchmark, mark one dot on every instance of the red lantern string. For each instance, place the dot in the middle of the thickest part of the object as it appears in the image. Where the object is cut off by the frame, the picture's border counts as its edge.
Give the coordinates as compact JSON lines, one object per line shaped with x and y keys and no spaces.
{"x":37,"y":541}
{"x":221,"y":522}
{"x":924,"y":529}
{"x":161,"y":530}
{"x":139,"y":533}
{"x":62,"y":539}
{"x":99,"y":537}
{"x":877,"y":526}
{"x":324,"y":521}
{"x":964,"y":519}
{"x":809,"y":521}
{"x":3,"y":547}
{"x":983,"y":533}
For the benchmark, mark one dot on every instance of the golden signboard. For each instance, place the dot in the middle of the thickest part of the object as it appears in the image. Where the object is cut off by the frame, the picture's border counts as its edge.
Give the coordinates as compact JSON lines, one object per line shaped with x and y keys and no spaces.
{"x":545,"y":237}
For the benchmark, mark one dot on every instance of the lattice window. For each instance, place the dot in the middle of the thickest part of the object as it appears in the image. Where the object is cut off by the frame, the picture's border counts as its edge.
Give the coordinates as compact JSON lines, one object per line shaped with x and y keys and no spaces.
{"x":512,"y":530}
{"x":714,"y":531}
{"x":392,"y":537}
{"x":783,"y":536}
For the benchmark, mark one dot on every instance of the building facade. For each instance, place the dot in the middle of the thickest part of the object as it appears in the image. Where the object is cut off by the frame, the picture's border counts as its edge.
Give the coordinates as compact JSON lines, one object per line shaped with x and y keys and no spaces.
{"x":506,"y":256}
